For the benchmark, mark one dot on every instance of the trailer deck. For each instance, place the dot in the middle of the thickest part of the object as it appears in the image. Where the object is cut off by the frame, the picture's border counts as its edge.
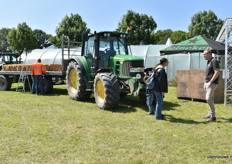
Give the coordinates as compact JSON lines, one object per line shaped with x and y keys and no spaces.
{"x":49,"y":73}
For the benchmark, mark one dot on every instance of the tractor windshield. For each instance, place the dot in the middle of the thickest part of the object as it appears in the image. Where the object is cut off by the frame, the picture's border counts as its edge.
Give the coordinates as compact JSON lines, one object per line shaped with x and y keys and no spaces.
{"x":8,"y":59}
{"x":113,"y":46}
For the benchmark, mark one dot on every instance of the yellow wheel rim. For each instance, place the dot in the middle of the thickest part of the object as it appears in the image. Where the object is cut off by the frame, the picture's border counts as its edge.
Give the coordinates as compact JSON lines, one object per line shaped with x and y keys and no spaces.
{"x":73,"y":79}
{"x":100,"y":92}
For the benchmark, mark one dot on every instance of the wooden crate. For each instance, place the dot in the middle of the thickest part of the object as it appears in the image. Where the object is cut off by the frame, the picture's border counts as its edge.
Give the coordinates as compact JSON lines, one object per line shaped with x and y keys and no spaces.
{"x":190,"y":84}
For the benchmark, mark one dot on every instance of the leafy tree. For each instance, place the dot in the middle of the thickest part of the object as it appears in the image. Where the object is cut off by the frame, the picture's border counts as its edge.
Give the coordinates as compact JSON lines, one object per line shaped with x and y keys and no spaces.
{"x":141,"y":25}
{"x":55,"y":40}
{"x":21,"y":38}
{"x":71,"y":26}
{"x":205,"y":23}
{"x":178,"y":36}
{"x":175,"y":36}
{"x":42,"y":38}
{"x":160,"y":35}
{"x":3,"y":39}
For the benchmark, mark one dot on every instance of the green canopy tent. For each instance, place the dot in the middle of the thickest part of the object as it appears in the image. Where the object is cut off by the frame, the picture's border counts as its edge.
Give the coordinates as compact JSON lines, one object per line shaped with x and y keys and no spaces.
{"x":195,"y":44}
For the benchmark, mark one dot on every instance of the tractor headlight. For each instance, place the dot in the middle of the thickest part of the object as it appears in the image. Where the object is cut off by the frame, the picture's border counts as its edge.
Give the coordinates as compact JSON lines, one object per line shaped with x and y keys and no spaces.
{"x":138,"y":76}
{"x":137,"y":69}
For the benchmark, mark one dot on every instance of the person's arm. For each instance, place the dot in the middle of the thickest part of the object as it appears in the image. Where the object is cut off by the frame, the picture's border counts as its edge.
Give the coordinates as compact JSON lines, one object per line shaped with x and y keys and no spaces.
{"x":164,"y":83}
{"x":216,"y":72}
{"x":43,"y":69}
{"x":215,"y":75}
{"x":161,"y":80}
{"x":32,"y":70}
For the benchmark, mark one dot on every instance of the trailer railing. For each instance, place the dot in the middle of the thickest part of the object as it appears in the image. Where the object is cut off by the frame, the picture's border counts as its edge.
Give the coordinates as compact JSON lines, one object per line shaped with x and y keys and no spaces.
{"x":69,"y":47}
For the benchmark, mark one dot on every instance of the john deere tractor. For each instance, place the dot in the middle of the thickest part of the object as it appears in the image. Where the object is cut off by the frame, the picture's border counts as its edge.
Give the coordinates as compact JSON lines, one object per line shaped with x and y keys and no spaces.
{"x":104,"y":68}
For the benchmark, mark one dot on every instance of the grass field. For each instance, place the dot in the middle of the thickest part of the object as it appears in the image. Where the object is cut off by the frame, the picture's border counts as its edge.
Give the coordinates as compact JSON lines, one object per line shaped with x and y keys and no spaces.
{"x":55,"y":129}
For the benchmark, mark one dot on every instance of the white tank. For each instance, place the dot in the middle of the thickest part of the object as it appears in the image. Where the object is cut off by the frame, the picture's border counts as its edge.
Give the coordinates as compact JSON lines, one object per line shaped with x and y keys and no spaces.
{"x":50,"y":56}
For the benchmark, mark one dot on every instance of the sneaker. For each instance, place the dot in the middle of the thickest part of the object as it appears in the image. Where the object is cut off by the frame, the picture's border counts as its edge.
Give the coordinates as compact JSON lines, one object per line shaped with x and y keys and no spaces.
{"x":212,"y":119}
{"x":206,"y":117}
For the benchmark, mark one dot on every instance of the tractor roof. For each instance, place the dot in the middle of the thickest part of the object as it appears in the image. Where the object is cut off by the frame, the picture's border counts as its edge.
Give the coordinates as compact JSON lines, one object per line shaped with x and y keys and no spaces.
{"x":8,"y":53}
{"x":113,"y":33}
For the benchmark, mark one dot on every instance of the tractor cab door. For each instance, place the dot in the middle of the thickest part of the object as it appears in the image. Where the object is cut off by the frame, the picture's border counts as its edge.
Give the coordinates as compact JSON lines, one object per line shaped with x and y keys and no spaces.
{"x":89,"y":54}
{"x":106,"y":49}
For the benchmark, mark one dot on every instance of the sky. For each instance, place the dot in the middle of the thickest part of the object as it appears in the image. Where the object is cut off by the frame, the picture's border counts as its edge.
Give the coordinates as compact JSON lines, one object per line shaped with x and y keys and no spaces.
{"x":103,"y":15}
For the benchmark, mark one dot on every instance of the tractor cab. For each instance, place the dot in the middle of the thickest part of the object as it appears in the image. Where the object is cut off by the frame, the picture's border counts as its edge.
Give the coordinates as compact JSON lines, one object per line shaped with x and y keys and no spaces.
{"x":8,"y":58}
{"x":99,"y":47}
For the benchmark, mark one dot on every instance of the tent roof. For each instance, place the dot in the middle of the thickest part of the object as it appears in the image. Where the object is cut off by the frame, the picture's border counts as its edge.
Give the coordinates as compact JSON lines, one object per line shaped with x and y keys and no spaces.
{"x":196,"y":44}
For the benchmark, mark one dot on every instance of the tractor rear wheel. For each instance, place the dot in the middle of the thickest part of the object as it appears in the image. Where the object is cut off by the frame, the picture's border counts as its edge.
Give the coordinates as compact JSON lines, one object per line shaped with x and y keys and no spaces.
{"x":76,"y":83}
{"x":106,"y":90}
{"x":5,"y":83}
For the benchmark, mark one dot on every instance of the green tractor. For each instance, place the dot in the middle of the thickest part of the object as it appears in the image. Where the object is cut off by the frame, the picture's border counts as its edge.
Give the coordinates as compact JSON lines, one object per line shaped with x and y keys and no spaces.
{"x":105,"y":69}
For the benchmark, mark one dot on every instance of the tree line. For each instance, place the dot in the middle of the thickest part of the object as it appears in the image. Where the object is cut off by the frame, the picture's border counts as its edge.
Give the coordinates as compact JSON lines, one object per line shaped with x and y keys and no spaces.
{"x":142,"y":31}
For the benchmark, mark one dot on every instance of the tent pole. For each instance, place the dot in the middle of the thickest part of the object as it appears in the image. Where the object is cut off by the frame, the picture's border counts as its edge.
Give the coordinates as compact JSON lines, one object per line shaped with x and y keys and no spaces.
{"x":189,"y":60}
{"x":199,"y":60}
{"x":167,"y":67}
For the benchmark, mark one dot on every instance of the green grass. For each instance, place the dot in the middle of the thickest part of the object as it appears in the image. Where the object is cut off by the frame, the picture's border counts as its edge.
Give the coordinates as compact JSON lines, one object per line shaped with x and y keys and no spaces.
{"x":55,"y":129}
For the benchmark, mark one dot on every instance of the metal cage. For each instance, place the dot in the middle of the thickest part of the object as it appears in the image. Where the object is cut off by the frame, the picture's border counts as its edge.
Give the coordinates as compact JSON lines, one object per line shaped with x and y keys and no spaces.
{"x":225,"y":36}
{"x":228,"y":63}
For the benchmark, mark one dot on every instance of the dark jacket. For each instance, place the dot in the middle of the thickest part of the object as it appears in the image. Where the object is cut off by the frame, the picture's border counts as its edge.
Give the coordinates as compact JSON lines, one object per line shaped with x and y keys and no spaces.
{"x":161,"y":80}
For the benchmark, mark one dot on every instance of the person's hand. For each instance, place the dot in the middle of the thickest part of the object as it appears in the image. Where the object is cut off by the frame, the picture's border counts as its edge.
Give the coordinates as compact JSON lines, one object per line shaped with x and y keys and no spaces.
{"x":207,"y":85}
{"x":163,"y":93}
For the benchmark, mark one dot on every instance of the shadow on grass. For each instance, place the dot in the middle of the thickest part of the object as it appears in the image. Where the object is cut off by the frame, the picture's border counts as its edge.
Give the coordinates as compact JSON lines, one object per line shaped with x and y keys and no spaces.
{"x":58,"y":91}
{"x":226,"y":119}
{"x":183,"y":121}
{"x":128,"y":104}
{"x":187,"y":100}
{"x":169,"y":105}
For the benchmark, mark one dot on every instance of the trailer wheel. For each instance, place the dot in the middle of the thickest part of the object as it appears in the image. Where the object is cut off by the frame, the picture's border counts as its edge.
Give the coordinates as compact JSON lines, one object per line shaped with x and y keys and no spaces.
{"x":5,"y":83}
{"x":76,"y":83}
{"x":28,"y":84}
{"x":106,"y":90}
{"x":48,"y":84}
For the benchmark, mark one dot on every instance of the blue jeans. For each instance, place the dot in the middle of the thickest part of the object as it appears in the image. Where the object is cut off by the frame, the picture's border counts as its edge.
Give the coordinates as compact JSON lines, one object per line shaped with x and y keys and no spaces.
{"x":39,"y":84}
{"x":150,"y":99}
{"x":159,"y":104}
{"x":33,"y":85}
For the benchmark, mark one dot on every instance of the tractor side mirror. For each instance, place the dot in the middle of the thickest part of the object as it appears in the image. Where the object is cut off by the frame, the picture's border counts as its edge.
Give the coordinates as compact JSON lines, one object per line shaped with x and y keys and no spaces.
{"x":85,"y":36}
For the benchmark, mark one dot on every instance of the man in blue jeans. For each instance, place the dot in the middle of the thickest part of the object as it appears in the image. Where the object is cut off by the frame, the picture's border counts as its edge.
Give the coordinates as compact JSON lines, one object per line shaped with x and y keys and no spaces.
{"x":161,"y":87}
{"x":38,"y":70}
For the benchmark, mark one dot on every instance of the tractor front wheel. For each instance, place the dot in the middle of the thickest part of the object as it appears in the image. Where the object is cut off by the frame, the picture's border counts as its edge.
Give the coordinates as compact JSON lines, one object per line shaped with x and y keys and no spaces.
{"x":106,"y":90}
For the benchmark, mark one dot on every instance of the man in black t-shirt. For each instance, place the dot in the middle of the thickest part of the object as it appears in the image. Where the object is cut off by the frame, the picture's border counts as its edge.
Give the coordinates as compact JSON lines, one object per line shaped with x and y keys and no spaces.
{"x":211,"y":83}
